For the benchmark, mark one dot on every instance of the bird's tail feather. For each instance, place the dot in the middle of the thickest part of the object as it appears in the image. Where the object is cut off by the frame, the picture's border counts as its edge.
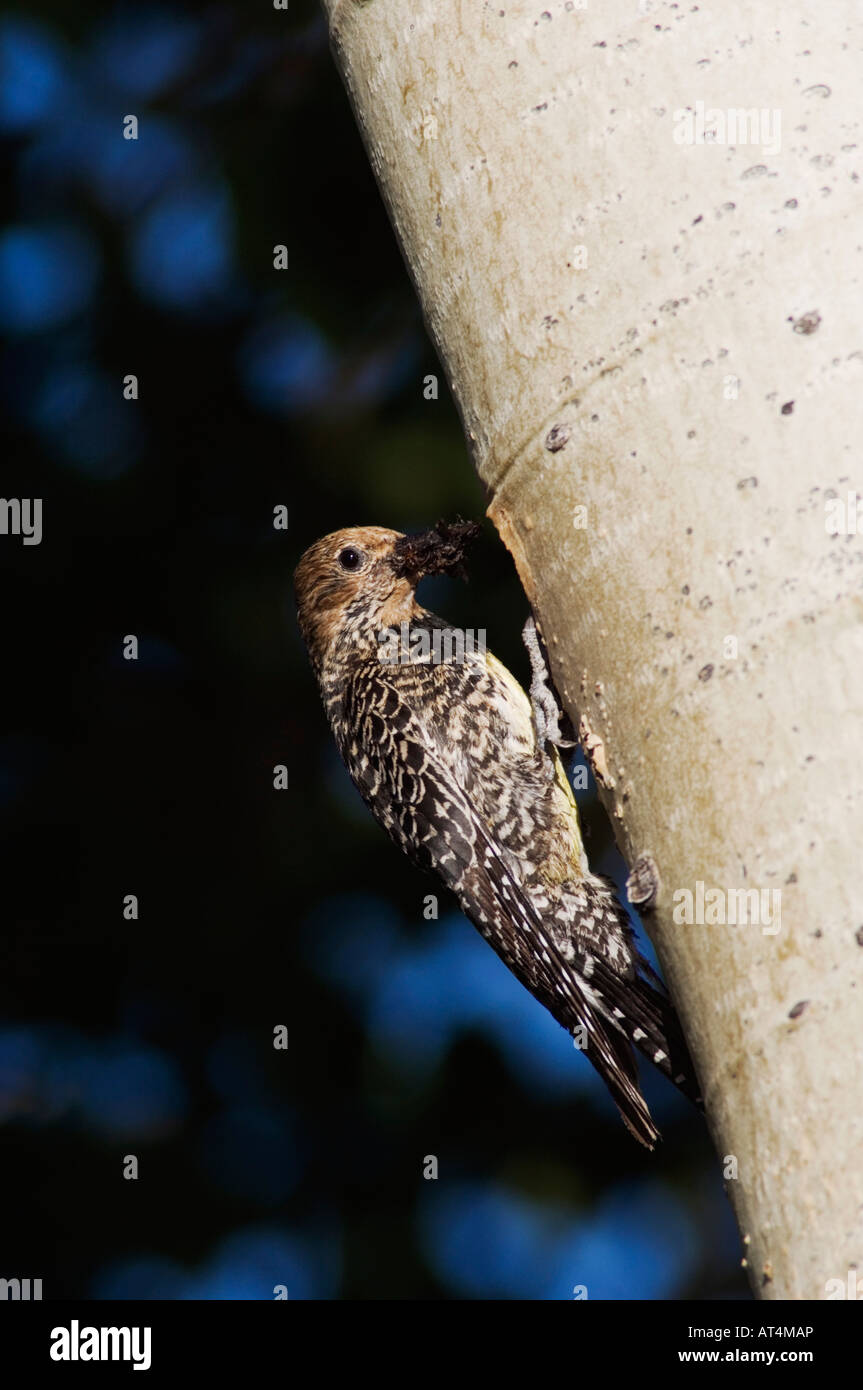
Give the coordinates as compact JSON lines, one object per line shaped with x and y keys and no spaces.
{"x":645,"y":1016}
{"x":614,"y":1059}
{"x":659,"y":1037}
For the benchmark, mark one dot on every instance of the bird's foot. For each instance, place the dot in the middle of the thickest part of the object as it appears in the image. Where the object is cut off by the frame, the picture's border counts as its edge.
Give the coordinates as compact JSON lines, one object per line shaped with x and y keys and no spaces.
{"x":546,"y":710}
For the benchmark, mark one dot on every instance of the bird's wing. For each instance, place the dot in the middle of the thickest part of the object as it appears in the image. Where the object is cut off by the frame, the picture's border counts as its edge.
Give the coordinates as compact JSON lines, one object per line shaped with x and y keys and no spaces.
{"x":398,"y":769}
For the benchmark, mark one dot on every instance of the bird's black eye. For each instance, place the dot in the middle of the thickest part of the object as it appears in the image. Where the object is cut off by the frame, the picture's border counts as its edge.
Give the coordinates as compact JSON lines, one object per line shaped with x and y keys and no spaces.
{"x":350,"y":559}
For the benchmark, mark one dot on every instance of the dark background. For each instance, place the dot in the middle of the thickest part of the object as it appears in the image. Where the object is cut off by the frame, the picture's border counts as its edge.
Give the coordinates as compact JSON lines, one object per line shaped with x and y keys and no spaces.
{"x":154,"y":1037}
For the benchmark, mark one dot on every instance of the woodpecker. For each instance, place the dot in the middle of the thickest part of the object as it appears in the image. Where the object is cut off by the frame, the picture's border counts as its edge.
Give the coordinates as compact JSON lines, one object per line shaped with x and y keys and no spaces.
{"x":450,"y":759}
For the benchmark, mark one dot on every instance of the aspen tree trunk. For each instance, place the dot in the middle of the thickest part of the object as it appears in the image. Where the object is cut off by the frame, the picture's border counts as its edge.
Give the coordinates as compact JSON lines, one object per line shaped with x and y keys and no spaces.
{"x":636,"y":234}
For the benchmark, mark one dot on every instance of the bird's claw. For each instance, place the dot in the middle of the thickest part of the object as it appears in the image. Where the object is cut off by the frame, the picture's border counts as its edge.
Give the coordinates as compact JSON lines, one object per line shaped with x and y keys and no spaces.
{"x":546,"y":711}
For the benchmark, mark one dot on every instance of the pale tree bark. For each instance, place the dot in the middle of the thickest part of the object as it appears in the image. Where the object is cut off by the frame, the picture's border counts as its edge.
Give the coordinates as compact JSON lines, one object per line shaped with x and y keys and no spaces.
{"x":668,"y":335}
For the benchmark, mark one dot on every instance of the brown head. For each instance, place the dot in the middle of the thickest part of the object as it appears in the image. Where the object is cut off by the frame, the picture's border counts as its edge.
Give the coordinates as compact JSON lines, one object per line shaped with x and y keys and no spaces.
{"x":362,"y":579}
{"x":347,"y":581}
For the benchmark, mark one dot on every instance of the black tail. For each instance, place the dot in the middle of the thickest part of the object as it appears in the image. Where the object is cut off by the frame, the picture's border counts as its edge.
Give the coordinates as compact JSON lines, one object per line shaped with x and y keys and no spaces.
{"x":635,"y":1011}
{"x":614,"y":1059}
{"x":659,"y":1037}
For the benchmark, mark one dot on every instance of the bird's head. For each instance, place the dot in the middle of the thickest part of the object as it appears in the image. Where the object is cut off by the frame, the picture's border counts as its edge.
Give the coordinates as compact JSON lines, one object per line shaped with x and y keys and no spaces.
{"x":355,"y":582}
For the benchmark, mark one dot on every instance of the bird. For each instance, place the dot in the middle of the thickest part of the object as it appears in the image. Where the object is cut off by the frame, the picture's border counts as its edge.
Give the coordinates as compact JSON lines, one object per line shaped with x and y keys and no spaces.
{"x":452,"y":759}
